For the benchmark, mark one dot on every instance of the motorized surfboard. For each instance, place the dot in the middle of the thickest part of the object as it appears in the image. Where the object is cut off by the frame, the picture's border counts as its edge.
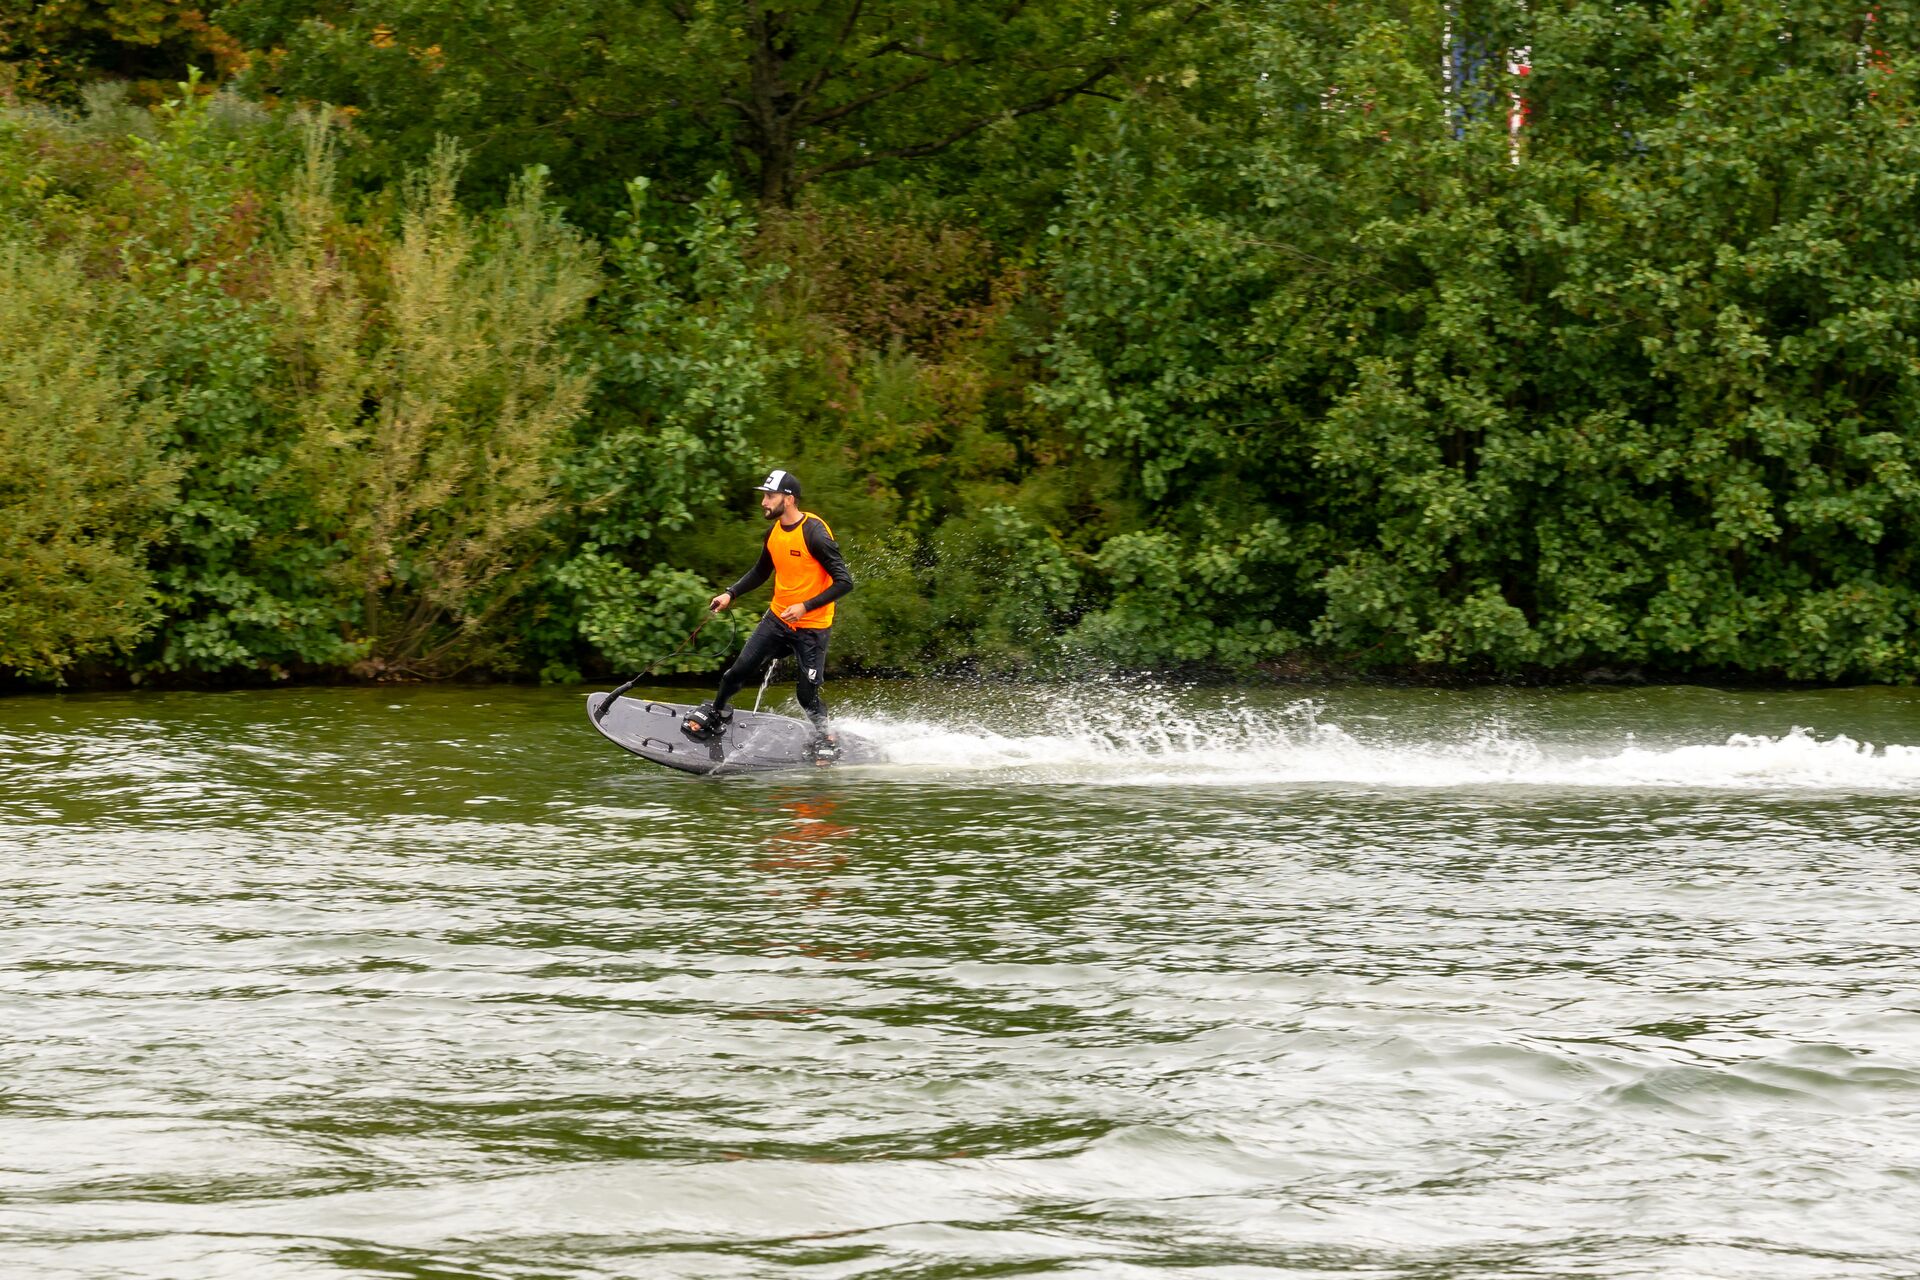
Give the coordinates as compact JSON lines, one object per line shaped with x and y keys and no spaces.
{"x":754,"y":742}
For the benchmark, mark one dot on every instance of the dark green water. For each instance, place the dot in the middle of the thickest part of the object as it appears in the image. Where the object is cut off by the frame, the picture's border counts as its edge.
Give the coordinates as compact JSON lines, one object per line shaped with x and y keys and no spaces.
{"x":437,"y":983}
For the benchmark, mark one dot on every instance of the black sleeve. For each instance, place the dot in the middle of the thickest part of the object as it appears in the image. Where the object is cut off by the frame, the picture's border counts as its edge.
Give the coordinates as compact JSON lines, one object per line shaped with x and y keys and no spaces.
{"x":761,"y":571}
{"x":822,"y":547}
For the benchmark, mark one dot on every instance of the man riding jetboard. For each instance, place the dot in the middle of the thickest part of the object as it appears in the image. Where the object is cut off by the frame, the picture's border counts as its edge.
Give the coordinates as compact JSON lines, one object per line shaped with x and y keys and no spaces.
{"x":808,"y":574}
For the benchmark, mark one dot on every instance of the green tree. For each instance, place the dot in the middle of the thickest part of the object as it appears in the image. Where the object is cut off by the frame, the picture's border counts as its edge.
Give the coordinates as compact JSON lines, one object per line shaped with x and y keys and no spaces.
{"x":1634,"y":384}
{"x":780,"y":93}
{"x":84,"y":482}
{"x":431,"y":427}
{"x":56,"y":47}
{"x":685,"y":369}
{"x":364,"y":415}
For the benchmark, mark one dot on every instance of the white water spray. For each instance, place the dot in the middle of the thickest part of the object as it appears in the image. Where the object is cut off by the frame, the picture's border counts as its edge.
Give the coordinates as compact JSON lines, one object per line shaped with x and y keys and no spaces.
{"x":1296,"y":745}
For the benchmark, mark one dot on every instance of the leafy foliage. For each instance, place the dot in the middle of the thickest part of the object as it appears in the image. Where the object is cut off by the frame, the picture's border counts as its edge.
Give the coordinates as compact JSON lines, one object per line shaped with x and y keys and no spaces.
{"x":365,"y":426}
{"x":443,"y":448}
{"x":1633,"y":385}
{"x":1269,"y":334}
{"x":85,"y":483}
{"x":55,"y":48}
{"x":682,"y":379}
{"x":780,"y":95}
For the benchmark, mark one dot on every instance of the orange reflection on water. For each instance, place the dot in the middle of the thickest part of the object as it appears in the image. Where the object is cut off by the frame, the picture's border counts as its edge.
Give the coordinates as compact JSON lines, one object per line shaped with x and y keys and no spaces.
{"x":802,"y":845}
{"x":796,"y":854}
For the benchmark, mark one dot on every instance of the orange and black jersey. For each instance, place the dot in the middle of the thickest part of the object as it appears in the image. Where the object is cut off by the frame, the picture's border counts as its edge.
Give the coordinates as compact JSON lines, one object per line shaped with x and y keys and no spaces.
{"x":806,"y":567}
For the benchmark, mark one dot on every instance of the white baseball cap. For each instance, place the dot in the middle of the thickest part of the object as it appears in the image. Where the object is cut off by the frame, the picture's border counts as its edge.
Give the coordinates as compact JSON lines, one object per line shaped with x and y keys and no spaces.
{"x":779,"y":481}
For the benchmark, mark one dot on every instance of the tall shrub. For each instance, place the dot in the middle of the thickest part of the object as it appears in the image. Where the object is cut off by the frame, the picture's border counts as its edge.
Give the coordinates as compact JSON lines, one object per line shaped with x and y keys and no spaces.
{"x":83,"y":479}
{"x":433,"y":433}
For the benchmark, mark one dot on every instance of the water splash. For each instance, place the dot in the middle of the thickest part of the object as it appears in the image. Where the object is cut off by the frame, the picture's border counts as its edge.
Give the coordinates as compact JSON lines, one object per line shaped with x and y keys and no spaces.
{"x":1161,"y":744}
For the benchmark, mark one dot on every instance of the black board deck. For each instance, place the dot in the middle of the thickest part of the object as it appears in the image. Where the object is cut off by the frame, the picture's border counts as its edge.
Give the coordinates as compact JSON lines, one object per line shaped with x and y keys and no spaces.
{"x":755,"y":742}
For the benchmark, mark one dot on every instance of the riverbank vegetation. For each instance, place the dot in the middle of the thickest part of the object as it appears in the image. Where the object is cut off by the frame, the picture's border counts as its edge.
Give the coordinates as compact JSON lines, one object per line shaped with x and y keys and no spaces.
{"x":417,"y":340}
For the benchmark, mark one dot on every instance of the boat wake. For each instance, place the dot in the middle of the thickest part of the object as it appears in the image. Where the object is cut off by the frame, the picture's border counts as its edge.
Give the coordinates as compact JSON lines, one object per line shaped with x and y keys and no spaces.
{"x":1296,"y":746}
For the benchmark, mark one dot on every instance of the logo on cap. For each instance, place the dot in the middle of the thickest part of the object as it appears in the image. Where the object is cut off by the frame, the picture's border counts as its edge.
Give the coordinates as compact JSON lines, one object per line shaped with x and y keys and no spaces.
{"x":779,"y":481}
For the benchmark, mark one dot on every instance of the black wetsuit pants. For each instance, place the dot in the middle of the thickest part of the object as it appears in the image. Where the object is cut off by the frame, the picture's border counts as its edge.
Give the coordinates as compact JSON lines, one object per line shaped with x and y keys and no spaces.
{"x":772,"y":640}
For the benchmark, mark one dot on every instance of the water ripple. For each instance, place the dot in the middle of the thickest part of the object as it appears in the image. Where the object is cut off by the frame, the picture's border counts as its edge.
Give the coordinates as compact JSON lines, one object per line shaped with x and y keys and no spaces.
{"x":428,"y":983}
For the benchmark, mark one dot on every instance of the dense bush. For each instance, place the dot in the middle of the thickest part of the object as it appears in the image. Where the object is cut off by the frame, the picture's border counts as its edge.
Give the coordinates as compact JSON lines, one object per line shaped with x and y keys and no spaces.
{"x":1633,"y":384}
{"x":357,"y":426}
{"x":84,"y":487}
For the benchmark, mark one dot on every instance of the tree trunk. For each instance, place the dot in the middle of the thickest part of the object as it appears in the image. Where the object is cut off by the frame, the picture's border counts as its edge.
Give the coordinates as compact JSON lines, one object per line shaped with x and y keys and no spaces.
{"x":771,"y":108}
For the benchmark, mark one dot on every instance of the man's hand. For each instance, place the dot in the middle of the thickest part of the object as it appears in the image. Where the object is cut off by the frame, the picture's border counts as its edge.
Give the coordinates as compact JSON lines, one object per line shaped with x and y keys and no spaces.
{"x":793,"y":613}
{"x":720,"y":601}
